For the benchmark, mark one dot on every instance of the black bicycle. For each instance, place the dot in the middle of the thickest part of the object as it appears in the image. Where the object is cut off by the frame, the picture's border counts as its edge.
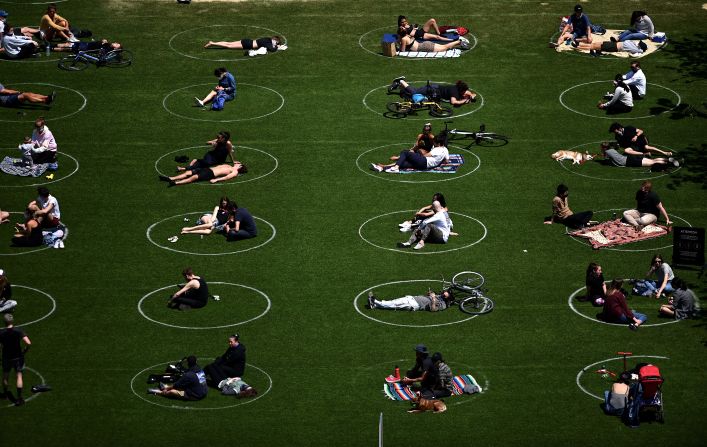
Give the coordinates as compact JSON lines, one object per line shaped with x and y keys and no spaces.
{"x":479,"y":137}
{"x":467,"y":293}
{"x":82,"y":59}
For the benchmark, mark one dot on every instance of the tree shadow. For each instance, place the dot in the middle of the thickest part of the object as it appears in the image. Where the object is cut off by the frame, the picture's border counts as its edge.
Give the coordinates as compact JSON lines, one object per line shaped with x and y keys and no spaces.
{"x":694,"y":167}
{"x":692,"y":54}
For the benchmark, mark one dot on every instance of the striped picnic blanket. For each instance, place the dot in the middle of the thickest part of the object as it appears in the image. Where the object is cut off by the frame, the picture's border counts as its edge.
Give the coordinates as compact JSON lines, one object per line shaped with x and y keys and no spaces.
{"x":615,"y":232}
{"x":401,"y":392}
{"x":455,"y":160}
{"x":454,"y":52}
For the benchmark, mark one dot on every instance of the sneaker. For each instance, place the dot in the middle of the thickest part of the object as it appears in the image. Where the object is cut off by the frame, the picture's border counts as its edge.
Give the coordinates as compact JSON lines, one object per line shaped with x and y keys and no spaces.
{"x":574,"y":44}
{"x":198,"y":102}
{"x":153,"y":391}
{"x":608,"y":95}
{"x":419,"y":245}
{"x":73,"y":39}
{"x":56,"y":243}
{"x":163,"y":178}
{"x":51,"y":98}
{"x":592,"y":53}
{"x":173,"y":239}
{"x":393,"y":169}
{"x":395,"y":84}
{"x":371,"y":300}
{"x":407,"y":229}
{"x":171,"y":183}
{"x":61,"y":243}
{"x":633,"y":327}
{"x":404,"y":244}
{"x":376,"y":168}
{"x":162,"y":386}
{"x":407,"y":223}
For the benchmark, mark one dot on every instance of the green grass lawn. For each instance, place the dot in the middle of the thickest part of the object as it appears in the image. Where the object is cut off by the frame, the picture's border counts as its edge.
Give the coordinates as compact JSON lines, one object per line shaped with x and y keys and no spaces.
{"x":307,"y":122}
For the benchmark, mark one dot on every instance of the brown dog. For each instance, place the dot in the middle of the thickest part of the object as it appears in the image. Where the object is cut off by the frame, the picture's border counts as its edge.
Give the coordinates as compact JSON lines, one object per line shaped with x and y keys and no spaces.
{"x":420,"y":405}
{"x":576,"y":157}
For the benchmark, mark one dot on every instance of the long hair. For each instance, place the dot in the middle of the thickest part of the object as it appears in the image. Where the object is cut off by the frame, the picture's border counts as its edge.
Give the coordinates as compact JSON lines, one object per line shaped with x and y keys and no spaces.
{"x":615,"y":286}
{"x":440,"y":198}
{"x":462,"y":86}
{"x":591,"y":271}
{"x":619,"y":80}
{"x":635,"y":15}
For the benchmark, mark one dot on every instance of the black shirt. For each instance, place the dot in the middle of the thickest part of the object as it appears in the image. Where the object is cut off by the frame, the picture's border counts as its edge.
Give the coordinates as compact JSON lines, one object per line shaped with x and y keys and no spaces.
{"x":193,"y":383}
{"x":595,"y":285}
{"x":234,"y":358}
{"x":6,"y":292}
{"x":449,"y":91}
{"x":10,"y":341}
{"x":201,"y":294}
{"x":243,"y":216}
{"x":647,"y":202}
{"x":266,"y":42}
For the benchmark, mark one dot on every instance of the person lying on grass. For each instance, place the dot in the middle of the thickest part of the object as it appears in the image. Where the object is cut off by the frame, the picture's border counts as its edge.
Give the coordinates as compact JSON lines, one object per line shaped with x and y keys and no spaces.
{"x":457,"y":94}
{"x":214,"y":222}
{"x":269,"y":43}
{"x":214,"y":174}
{"x":420,"y":32}
{"x":421,"y":160}
{"x":615,"y":158}
{"x":408,"y":43}
{"x":75,"y":47}
{"x":430,"y":301}
{"x":634,"y":141}
{"x":15,"y":98}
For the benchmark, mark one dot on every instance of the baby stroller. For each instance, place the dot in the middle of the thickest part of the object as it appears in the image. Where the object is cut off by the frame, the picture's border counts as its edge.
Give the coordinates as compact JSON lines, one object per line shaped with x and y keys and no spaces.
{"x":646,"y":396}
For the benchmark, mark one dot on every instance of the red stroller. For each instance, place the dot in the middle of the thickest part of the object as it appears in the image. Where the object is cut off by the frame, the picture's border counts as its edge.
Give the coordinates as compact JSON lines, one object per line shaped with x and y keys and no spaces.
{"x":646,"y":396}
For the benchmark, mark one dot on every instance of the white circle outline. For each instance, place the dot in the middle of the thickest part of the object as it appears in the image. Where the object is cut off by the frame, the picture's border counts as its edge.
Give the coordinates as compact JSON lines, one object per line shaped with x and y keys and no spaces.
{"x":267,"y":309}
{"x":612,"y":167}
{"x":583,"y":370}
{"x":164,"y":104}
{"x":428,"y":118}
{"x":85,"y":101}
{"x":43,"y":293}
{"x":234,"y":148}
{"x":629,"y":250}
{"x":274,"y":33}
{"x":47,"y":182}
{"x":32,"y":3}
{"x":622,"y":117}
{"x":389,"y":179}
{"x":149,"y":230}
{"x":41,"y":378}
{"x":360,"y":39}
{"x":355,"y":304}
{"x":417,"y":252}
{"x":571,"y":305}
{"x":181,"y":407}
{"x":44,"y":247}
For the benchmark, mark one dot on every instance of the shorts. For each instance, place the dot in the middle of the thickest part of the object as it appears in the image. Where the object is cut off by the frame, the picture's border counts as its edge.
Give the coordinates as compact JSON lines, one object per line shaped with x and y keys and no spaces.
{"x":9,"y":364}
{"x":426,"y":46}
{"x":204,"y":174}
{"x":419,"y":33}
{"x":247,"y":44}
{"x":609,"y":47}
{"x":10,"y":100}
{"x":634,"y":161}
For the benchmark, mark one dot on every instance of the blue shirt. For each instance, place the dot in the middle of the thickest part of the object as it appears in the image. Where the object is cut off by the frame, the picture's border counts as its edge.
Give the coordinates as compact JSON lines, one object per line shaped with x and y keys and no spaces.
{"x":228,"y":82}
{"x":579,"y":24}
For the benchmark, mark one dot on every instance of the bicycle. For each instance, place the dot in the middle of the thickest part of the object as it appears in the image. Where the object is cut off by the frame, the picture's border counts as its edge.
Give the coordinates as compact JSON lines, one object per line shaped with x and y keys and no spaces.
{"x":82,"y":59}
{"x":408,"y":107}
{"x":467,"y":293}
{"x":480,"y":137}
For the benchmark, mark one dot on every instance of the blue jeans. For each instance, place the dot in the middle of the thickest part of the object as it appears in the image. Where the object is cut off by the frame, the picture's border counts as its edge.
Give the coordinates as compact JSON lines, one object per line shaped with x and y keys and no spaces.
{"x":607,"y":406}
{"x":653,"y":286}
{"x":630,"y":34}
{"x":641,"y":317}
{"x":413,"y":160}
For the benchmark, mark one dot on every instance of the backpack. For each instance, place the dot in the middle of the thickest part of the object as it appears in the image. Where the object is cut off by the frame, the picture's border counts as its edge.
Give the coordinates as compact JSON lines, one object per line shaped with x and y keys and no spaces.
{"x":598,"y":29}
{"x":219,"y":101}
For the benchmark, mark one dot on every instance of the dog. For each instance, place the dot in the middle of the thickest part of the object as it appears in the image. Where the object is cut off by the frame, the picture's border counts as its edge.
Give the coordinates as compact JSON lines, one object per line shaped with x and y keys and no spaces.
{"x":420,"y":405}
{"x":576,"y":157}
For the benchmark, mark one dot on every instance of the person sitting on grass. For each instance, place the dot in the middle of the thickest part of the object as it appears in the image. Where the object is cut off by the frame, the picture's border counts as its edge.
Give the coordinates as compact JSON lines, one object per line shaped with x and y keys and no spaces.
{"x":15,"y":98}
{"x":435,"y":230}
{"x":596,"y":287}
{"x":641,"y":28}
{"x":52,"y":26}
{"x":224,"y":91}
{"x":29,"y":233}
{"x":577,"y":29}
{"x":636,"y":81}
{"x":616,"y":310}
{"x":75,"y":47}
{"x":422,"y":376}
{"x":596,"y":48}
{"x":420,"y":32}
{"x":621,"y":101}
{"x":191,"y":386}
{"x":214,"y":222}
{"x":457,"y":94}
{"x":438,"y":202}
{"x":421,"y":160}
{"x":561,"y":212}
{"x":214,"y":174}
{"x":664,"y":276}
{"x":684,"y":303}
{"x":648,"y":207}
{"x":269,"y":43}
{"x":240,"y":225}
{"x":18,"y":46}
{"x":47,"y":208}
{"x":193,"y":295}
{"x":221,"y":149}
{"x":44,"y":144}
{"x":635,"y":141}
{"x":230,"y":364}
{"x":616,"y":399}
{"x":429,"y":302}
{"x":615,"y":158}
{"x":445,"y":379}
{"x":13,"y":357}
{"x":6,"y":304}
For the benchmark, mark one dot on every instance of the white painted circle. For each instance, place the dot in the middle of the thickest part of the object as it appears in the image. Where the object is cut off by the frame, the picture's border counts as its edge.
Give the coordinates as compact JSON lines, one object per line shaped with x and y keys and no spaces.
{"x":618,"y":167}
{"x":355,"y":304}
{"x":83,"y":105}
{"x":242,"y":58}
{"x":164,"y":104}
{"x":583,"y":370}
{"x":394,"y":177}
{"x":220,"y":183}
{"x":360,"y":44}
{"x":32,"y":3}
{"x":621,"y":117}
{"x":47,"y":314}
{"x":262,"y":314}
{"x":48,"y":181}
{"x":623,"y":325}
{"x":427,"y":116}
{"x":149,"y":237}
{"x":584,"y":242}
{"x":422,"y":252}
{"x":34,"y":395}
{"x":211,"y":390}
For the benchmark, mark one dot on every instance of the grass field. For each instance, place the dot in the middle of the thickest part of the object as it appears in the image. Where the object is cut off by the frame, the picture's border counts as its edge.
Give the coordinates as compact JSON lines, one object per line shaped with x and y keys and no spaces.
{"x":308,"y":121}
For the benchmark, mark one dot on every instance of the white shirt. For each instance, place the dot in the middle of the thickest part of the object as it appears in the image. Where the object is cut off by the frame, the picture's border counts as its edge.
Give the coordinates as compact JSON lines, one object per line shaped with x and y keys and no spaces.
{"x":638,"y":79}
{"x":440,"y":220}
{"x":12,"y":44}
{"x":437,"y":155}
{"x":50,"y":200}
{"x":621,"y":95}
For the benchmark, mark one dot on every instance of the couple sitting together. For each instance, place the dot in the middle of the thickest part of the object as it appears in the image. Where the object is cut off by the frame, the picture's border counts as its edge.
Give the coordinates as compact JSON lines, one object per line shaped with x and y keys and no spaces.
{"x":227,"y":218}
{"x":419,"y":38}
{"x":428,"y":152}
{"x":430,"y":224}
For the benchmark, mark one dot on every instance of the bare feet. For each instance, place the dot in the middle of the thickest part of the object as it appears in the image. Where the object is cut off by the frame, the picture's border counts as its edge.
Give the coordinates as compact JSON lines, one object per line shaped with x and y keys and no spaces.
{"x":209,"y":44}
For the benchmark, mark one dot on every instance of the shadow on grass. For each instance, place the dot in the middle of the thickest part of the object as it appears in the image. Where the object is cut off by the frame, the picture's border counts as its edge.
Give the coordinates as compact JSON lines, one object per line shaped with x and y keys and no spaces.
{"x":691,"y":53}
{"x":694,"y":168}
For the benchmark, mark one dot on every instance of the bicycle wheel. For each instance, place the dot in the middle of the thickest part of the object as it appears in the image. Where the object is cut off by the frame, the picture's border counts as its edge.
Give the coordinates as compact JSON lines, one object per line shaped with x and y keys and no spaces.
{"x":439,"y":111}
{"x":398,"y":107}
{"x":490,"y":139}
{"x":118,"y":58}
{"x":73,"y":63}
{"x":476,"y":305}
{"x":468,"y":280}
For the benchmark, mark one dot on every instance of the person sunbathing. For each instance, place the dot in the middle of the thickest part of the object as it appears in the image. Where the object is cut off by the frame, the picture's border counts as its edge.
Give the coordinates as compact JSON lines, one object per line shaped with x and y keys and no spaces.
{"x":430,"y":301}
{"x":75,"y":47}
{"x":596,"y":48}
{"x":15,"y":98}
{"x":457,"y":94}
{"x":269,"y":43}
{"x":632,"y":160}
{"x":409,"y":43}
{"x":420,"y":32}
{"x":214,"y":222}
{"x":214,"y":174}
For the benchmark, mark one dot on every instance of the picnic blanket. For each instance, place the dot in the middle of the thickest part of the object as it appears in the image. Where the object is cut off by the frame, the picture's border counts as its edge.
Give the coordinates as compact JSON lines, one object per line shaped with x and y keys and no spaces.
{"x":401,"y":392}
{"x":652,"y":46}
{"x":455,"y":160}
{"x":454,"y":52}
{"x":16,"y":166}
{"x":615,"y":232}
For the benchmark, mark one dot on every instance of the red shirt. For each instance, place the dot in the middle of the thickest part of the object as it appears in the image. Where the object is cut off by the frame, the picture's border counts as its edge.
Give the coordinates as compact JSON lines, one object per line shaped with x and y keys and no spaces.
{"x":615,"y":307}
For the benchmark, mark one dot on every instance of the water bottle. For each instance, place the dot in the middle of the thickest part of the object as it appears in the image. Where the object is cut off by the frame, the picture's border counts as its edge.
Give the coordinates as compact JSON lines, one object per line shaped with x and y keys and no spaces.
{"x":397,"y":372}
{"x":614,"y":217}
{"x":48,"y":49}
